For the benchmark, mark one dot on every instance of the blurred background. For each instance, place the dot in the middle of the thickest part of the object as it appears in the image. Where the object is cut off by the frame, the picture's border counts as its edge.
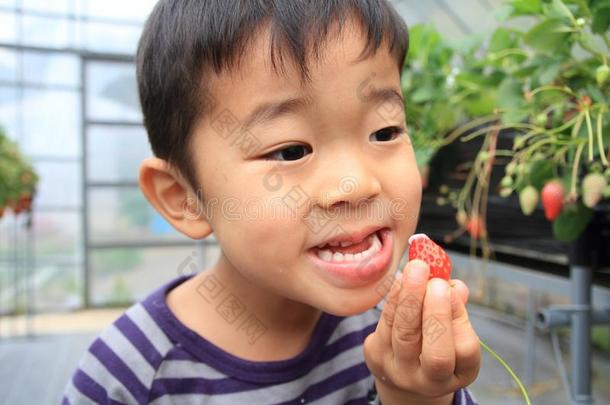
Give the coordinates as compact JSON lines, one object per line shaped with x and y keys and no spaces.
{"x":91,"y":245}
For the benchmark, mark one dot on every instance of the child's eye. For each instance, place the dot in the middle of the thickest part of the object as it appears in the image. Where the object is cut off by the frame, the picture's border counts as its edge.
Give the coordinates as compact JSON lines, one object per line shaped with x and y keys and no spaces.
{"x":390,"y":132}
{"x":289,"y":153}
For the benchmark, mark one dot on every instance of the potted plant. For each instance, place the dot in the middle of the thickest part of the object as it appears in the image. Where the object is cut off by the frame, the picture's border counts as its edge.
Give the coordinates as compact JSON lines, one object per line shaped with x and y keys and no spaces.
{"x":18,"y":180}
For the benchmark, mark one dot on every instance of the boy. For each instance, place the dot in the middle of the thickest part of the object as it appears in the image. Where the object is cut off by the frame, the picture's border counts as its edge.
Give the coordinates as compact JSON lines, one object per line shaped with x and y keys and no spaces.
{"x":288,"y":313}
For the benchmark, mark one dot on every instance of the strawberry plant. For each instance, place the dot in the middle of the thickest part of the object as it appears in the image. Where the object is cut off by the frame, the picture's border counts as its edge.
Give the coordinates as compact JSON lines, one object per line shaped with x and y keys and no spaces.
{"x":18,"y":179}
{"x":553,"y":91}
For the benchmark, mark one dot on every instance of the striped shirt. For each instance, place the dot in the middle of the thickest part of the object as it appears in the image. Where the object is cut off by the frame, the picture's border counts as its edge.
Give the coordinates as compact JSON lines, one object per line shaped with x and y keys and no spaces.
{"x":147,"y":356}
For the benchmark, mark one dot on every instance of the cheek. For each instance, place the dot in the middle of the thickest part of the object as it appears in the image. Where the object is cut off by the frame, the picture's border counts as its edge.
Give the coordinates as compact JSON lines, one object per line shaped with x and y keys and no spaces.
{"x":406,"y":192}
{"x":267,"y":228}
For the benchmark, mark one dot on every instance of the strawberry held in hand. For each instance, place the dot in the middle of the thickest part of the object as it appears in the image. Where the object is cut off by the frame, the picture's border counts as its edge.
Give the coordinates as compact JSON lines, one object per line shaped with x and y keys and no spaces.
{"x":423,"y":248}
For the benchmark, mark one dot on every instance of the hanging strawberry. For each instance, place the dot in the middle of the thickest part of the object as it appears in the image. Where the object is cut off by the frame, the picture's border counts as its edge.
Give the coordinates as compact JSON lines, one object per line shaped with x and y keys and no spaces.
{"x":528,"y":199}
{"x":553,"y":195}
{"x":593,"y":188}
{"x":476,"y":227}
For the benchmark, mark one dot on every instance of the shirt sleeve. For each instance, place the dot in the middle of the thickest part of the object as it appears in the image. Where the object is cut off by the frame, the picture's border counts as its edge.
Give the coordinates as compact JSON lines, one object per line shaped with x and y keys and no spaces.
{"x":463,"y":396}
{"x":108,"y":373}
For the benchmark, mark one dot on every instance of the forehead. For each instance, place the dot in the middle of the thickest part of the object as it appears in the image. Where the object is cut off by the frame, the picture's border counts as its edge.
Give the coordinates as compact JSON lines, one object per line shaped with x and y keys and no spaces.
{"x":256,"y":79}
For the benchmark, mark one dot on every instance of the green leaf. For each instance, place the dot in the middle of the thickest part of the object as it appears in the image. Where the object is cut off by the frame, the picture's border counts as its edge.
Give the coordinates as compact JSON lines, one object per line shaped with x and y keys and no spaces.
{"x":541,"y":172}
{"x":572,"y":222}
{"x":547,"y":37}
{"x":445,"y":116}
{"x":595,"y":94}
{"x":514,"y":116}
{"x":548,"y":73}
{"x":501,"y":39}
{"x":424,"y":93}
{"x":482,"y":104}
{"x":561,"y":9}
{"x":601,"y":18}
{"x":510,"y":94}
{"x":522,"y":7}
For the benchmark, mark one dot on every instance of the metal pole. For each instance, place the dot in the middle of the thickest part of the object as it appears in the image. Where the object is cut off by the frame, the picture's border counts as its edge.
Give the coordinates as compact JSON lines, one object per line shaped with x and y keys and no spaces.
{"x":530,"y":365}
{"x":580,"y":340}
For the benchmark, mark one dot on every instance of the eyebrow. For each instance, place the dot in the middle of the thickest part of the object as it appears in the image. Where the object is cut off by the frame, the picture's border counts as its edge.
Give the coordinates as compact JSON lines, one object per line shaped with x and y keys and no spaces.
{"x":269,"y":111}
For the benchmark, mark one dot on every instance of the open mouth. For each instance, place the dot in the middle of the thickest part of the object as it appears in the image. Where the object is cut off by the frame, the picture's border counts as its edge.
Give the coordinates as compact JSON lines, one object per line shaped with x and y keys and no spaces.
{"x":351,"y":252}
{"x":357,"y":264}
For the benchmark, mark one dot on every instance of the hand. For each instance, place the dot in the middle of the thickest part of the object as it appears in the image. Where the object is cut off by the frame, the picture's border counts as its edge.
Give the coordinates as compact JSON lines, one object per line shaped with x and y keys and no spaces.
{"x":424,"y":347}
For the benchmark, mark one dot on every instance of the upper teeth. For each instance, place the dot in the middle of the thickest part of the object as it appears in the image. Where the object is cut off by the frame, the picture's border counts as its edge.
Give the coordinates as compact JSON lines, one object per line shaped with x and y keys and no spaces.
{"x":329,"y":256}
{"x":342,"y":243}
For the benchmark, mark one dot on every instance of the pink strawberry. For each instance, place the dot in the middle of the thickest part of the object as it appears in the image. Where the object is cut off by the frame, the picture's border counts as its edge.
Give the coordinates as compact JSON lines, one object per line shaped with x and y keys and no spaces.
{"x":423,"y":248}
{"x":552,"y":195}
{"x":476,"y":227}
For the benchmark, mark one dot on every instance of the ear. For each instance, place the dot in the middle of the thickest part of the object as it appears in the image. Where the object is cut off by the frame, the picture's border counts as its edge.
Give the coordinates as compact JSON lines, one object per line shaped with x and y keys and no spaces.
{"x":173,"y":198}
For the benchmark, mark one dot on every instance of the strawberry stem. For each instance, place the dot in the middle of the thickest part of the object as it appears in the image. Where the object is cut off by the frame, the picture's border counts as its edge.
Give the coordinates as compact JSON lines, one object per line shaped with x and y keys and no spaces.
{"x":510,"y":371}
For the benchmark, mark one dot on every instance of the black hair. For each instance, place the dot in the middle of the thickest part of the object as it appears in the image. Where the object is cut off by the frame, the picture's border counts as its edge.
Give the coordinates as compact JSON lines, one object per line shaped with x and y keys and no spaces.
{"x":185,"y":40}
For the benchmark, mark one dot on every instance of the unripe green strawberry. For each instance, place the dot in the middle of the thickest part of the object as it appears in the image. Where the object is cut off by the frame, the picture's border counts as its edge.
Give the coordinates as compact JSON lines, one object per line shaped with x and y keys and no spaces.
{"x":461,"y":218}
{"x":528,"y":199}
{"x":601,"y":74}
{"x":506,"y":182}
{"x":511,"y":168}
{"x":505,"y":192}
{"x":552,"y":195}
{"x":592,"y":188}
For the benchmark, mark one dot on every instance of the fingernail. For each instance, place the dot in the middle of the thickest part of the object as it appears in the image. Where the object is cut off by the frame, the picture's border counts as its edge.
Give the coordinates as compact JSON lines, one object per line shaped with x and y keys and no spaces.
{"x":417,"y":272}
{"x":441,"y":288}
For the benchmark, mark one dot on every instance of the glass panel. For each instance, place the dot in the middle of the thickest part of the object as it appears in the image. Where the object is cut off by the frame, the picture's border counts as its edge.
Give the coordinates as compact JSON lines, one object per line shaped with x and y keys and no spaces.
{"x":46,"y":68}
{"x":8,"y":111}
{"x":117,"y":214}
{"x":121,"y":276}
{"x":115,"y":153}
{"x":57,"y":236}
{"x":59,"y":185}
{"x":8,"y":27}
{"x":8,"y":65}
{"x":107,"y":37}
{"x":58,"y":287}
{"x":55,"y":6}
{"x":43,"y":31}
{"x":51,"y":122}
{"x":135,"y":10}
{"x":112,"y":92}
{"x":8,"y":3}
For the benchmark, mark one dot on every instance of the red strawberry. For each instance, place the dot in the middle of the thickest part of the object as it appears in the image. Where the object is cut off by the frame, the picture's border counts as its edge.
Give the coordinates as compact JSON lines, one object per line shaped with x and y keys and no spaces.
{"x":552,"y":195}
{"x":423,"y":248}
{"x":476,"y":227}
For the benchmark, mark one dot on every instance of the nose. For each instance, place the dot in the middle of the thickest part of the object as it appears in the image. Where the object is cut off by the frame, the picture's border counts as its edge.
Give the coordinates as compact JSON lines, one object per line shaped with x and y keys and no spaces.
{"x":349,"y":180}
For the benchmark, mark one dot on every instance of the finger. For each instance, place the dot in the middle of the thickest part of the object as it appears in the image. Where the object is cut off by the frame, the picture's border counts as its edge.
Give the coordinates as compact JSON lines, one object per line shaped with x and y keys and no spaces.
{"x":460,"y":289}
{"x":466,"y":341}
{"x":386,"y":320}
{"x":438,"y":351}
{"x":406,"y":333}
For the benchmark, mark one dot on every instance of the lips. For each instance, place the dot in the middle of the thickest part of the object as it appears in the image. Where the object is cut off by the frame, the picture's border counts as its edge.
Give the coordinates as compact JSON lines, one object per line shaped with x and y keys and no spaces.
{"x":358,"y":272}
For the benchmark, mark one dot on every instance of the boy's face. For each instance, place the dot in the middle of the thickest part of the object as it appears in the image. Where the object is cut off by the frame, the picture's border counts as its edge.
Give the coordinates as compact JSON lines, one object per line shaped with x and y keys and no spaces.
{"x":346,"y":172}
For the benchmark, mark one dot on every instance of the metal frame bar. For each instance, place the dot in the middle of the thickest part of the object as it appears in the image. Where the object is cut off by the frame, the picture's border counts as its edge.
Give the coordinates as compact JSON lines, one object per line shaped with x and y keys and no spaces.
{"x":71,"y":16}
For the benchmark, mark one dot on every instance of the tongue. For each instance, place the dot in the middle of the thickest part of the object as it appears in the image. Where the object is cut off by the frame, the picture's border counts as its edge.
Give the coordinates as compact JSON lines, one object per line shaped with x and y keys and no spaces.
{"x":353,"y":249}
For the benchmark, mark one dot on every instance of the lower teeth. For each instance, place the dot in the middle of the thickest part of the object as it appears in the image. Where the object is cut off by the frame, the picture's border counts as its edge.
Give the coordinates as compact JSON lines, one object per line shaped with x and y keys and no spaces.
{"x":329,"y":256}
